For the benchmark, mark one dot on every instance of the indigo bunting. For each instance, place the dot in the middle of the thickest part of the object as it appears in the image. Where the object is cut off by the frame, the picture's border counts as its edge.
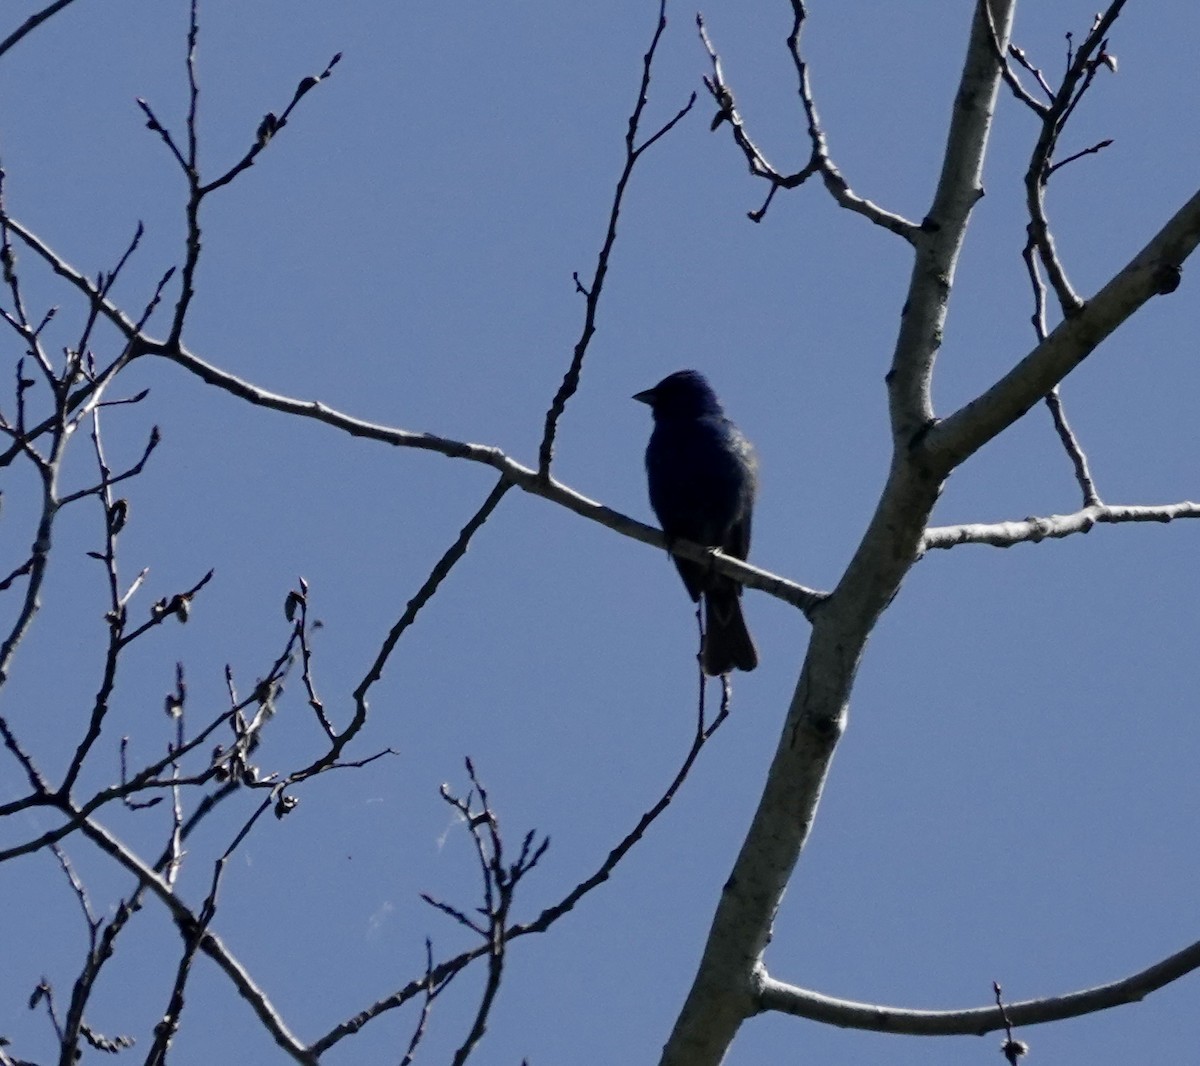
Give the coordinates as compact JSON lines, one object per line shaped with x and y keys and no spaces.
{"x":702,"y":475}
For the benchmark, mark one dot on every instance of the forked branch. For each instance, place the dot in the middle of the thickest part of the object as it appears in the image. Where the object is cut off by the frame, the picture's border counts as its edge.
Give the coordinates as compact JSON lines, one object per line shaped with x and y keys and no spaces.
{"x":819,"y":160}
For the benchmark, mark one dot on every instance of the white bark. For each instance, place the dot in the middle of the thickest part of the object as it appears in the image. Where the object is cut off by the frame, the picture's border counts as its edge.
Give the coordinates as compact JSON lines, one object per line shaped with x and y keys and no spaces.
{"x":727,"y":984}
{"x":732,"y":982}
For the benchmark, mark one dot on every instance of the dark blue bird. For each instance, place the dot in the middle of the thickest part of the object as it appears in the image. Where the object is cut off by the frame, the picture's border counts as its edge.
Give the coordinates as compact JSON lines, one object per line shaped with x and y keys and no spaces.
{"x":703,"y":475}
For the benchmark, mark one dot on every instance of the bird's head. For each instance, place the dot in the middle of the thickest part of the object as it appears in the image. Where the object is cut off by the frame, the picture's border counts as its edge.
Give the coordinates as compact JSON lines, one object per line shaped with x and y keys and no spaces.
{"x":684,"y":394}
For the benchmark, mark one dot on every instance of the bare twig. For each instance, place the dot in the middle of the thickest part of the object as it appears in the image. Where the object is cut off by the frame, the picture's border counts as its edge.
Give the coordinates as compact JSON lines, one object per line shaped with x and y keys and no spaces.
{"x":423,"y":595}
{"x":296,"y":610}
{"x":1009,"y":75}
{"x":819,"y":161}
{"x":188,"y":160}
{"x":1074,"y":449}
{"x":32,"y":23}
{"x":1012,"y":1049}
{"x":500,"y":882}
{"x":1019,"y":55}
{"x":431,"y":991}
{"x":1053,"y":399}
{"x":210,"y":943}
{"x":193,"y":934}
{"x":591,"y":292}
{"x":1099,"y":146}
{"x":446,"y":970}
{"x":1081,"y":69}
{"x":19,"y":318}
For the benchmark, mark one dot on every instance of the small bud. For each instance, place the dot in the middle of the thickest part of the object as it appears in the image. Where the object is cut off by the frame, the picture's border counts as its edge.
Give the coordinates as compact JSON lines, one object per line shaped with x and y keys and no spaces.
{"x":266,"y":129}
{"x":118,"y":515}
{"x":1168,"y":279}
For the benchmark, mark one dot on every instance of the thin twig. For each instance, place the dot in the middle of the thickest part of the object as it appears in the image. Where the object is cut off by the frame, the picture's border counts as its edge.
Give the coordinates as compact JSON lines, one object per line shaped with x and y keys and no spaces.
{"x":1074,"y":449}
{"x":32,"y":23}
{"x":423,"y":595}
{"x":819,"y":161}
{"x":592,"y":292}
{"x":1012,"y":1049}
{"x":446,"y":970}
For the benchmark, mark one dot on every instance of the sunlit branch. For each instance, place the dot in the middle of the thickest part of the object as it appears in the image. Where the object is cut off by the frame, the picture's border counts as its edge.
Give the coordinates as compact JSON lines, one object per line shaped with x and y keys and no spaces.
{"x":789,"y":999}
{"x":1052,"y":527}
{"x":1155,"y":270}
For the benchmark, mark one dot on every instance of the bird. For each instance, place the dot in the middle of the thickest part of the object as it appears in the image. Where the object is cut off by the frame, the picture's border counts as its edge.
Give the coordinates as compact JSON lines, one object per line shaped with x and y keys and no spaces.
{"x":702,"y":474}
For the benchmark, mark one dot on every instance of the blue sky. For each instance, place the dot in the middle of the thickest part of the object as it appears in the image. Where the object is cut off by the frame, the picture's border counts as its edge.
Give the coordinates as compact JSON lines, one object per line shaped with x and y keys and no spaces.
{"x":1016,"y":796}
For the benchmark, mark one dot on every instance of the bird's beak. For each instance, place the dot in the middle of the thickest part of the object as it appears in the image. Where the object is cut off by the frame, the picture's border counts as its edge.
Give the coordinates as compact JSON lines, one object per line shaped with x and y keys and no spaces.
{"x":646,"y":396}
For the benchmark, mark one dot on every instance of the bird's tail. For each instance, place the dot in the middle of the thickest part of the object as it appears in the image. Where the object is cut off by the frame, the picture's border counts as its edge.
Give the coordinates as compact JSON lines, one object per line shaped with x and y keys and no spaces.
{"x":727,"y":642}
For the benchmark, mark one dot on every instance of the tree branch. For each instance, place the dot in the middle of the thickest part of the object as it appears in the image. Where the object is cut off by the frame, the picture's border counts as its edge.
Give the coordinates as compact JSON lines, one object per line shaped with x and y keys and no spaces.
{"x":959,"y":188}
{"x":591,"y":293}
{"x":32,"y":23}
{"x":1053,"y":527}
{"x":724,"y":993}
{"x":819,"y":161}
{"x":210,"y":943}
{"x":807,"y":599}
{"x":1074,"y":450}
{"x":975,"y":1021}
{"x":437,"y":976}
{"x":1156,"y":270}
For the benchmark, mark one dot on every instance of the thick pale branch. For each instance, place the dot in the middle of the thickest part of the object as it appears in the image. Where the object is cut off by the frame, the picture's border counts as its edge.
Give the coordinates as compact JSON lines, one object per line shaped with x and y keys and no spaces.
{"x":788,"y":999}
{"x":941,"y":236}
{"x":1154,"y":271}
{"x":1032,"y":530}
{"x":725,"y":990}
